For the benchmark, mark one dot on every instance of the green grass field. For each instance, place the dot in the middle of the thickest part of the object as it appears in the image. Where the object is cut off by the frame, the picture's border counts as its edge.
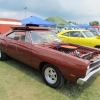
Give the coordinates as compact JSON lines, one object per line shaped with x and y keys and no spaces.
{"x":21,"y":82}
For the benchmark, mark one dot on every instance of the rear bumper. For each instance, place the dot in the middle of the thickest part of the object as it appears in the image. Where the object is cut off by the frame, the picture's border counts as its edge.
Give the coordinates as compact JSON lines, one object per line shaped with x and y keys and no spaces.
{"x":82,"y":80}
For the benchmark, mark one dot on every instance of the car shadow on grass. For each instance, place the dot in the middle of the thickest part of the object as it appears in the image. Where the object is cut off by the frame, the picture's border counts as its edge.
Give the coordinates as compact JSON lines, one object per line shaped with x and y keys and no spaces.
{"x":71,"y":90}
{"x":30,"y":71}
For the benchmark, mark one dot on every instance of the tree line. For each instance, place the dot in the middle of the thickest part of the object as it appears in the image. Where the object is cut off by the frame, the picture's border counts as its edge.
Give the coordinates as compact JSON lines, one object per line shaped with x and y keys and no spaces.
{"x":92,"y":23}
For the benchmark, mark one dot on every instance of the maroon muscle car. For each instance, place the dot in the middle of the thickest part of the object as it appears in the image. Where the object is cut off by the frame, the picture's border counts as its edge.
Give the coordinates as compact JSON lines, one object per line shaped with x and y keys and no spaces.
{"x":40,"y":48}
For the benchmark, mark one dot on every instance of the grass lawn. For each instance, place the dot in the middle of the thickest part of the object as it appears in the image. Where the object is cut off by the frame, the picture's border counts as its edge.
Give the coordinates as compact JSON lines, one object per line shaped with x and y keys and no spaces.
{"x":21,"y":82}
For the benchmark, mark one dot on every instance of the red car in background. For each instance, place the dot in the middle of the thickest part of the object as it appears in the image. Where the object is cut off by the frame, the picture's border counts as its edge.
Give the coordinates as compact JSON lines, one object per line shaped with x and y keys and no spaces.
{"x":41,"y":48}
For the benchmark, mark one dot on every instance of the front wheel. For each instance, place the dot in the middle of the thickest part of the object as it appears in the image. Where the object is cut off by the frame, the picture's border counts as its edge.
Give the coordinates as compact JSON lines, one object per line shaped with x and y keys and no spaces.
{"x":52,"y":76}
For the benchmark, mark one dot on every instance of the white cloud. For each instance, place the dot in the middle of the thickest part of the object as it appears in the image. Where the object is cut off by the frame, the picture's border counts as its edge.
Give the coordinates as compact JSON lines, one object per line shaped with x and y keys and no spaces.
{"x":6,"y":13}
{"x":71,"y":10}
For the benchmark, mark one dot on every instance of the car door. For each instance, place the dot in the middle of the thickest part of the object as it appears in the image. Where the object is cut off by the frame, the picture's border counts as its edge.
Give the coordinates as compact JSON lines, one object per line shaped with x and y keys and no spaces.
{"x":24,"y":49}
{"x":11,"y":44}
{"x":19,"y":48}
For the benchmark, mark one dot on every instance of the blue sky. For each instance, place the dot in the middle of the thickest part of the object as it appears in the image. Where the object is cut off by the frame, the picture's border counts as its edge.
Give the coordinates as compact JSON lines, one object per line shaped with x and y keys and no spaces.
{"x":80,"y":11}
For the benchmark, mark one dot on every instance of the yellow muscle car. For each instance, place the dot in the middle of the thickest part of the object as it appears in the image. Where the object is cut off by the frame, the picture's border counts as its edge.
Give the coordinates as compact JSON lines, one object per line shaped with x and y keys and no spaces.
{"x":80,"y":36}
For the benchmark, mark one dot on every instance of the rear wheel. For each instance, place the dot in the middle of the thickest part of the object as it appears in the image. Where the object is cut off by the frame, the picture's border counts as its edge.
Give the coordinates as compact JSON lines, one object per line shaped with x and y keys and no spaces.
{"x":3,"y":56}
{"x":52,"y":76}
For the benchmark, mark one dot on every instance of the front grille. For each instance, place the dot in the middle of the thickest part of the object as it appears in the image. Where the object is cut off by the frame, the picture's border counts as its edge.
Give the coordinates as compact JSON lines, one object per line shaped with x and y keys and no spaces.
{"x":94,"y":64}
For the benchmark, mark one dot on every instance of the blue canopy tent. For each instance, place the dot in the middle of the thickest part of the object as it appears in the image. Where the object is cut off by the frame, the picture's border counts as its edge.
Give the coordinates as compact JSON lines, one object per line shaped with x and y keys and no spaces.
{"x":36,"y":21}
{"x":85,"y":26}
{"x":72,"y":26}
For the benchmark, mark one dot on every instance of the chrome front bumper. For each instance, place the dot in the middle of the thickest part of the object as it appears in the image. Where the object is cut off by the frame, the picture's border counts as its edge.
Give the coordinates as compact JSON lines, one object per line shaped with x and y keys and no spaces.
{"x":88,"y":76}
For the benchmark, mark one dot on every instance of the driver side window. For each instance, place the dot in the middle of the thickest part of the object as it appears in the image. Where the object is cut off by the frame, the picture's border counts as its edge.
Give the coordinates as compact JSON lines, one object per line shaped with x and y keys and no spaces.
{"x":66,"y":34}
{"x":76,"y":34}
{"x":17,"y":36}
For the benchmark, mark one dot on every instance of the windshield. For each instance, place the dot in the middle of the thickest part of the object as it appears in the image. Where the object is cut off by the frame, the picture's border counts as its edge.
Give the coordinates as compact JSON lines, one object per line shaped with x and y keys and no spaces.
{"x":44,"y":37}
{"x":95,"y":32}
{"x":88,"y":34}
{"x":98,"y":31}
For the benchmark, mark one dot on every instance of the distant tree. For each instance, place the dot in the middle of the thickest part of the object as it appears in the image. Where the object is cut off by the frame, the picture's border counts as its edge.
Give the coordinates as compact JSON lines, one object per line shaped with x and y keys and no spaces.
{"x":92,"y":23}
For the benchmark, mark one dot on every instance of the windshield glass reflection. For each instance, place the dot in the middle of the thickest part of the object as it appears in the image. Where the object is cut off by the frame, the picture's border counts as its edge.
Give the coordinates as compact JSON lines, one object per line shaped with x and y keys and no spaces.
{"x":44,"y":37}
{"x":88,"y":34}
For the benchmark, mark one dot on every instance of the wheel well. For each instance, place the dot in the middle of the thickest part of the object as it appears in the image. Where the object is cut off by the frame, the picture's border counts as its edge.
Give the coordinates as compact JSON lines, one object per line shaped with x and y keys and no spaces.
{"x":97,"y":46}
{"x":41,"y":65}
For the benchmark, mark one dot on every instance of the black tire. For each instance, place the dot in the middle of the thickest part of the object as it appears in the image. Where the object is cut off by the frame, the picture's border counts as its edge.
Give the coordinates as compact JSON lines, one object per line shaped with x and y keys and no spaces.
{"x":3,"y":56}
{"x":52,"y":76}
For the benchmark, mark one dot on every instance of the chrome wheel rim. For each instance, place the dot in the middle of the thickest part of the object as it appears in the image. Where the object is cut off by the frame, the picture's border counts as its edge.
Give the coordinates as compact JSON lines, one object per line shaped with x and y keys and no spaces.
{"x":50,"y":75}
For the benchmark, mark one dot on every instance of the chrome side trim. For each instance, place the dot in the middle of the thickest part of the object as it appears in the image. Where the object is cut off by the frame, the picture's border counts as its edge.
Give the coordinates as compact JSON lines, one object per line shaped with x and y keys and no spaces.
{"x":88,"y":75}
